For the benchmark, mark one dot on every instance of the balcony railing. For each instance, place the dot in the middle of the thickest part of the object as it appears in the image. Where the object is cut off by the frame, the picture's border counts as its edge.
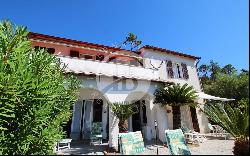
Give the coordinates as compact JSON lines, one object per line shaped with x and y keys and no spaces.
{"x":76,"y":65}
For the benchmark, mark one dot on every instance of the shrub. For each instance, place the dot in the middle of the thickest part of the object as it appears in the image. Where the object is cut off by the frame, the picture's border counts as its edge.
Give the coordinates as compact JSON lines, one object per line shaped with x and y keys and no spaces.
{"x":35,"y":95}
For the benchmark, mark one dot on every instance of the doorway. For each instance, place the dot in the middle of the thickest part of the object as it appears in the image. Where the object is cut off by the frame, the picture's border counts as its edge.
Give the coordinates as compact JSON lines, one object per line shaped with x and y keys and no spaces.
{"x":92,"y":113}
{"x":85,"y":113}
{"x":139,"y":119}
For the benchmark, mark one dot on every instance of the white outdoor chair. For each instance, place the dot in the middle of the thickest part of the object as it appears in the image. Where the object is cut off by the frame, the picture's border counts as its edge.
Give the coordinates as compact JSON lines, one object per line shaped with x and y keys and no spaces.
{"x":193,"y":136}
{"x":218,"y":131}
{"x":212,"y":128}
{"x":221,"y":132}
{"x":64,"y":143}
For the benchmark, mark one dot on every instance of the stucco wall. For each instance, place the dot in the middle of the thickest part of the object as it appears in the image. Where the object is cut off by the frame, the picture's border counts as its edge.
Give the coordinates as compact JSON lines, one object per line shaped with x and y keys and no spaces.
{"x":158,"y":59}
{"x":155,"y":59}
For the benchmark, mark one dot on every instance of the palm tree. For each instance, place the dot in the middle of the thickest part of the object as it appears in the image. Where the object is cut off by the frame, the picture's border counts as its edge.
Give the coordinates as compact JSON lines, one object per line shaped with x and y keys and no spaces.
{"x":235,"y":120}
{"x":123,"y":111}
{"x":175,"y":95}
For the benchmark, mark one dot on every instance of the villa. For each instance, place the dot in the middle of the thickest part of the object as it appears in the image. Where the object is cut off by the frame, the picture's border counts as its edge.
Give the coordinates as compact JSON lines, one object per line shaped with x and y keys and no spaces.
{"x":112,"y":74}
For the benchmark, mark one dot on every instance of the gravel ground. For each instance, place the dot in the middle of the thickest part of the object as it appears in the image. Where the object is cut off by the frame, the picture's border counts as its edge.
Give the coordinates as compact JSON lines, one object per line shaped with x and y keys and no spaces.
{"x":211,"y":146}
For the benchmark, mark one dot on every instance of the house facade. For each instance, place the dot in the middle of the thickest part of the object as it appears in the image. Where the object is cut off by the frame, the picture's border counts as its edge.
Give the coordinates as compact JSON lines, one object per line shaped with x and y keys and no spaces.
{"x":111,"y":75}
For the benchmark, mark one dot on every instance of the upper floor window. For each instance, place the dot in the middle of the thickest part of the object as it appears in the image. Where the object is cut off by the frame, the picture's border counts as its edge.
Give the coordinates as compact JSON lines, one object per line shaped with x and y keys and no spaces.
{"x":177,"y":70}
{"x":88,"y":57}
{"x":100,"y":57}
{"x":74,"y":53}
{"x":49,"y":50}
{"x":39,"y":47}
{"x":184,"y":71}
{"x":170,"y":69}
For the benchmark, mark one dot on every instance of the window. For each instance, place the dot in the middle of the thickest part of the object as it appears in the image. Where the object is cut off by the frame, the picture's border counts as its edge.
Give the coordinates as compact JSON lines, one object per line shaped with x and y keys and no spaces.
{"x":97,"y":110}
{"x":100,"y":57}
{"x":88,"y":57}
{"x":49,"y":50}
{"x":170,"y":69}
{"x":39,"y":47}
{"x":184,"y":71}
{"x":74,"y":53}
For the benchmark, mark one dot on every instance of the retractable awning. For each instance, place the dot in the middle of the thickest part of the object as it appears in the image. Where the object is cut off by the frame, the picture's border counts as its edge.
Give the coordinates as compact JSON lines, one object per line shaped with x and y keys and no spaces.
{"x":203,"y":95}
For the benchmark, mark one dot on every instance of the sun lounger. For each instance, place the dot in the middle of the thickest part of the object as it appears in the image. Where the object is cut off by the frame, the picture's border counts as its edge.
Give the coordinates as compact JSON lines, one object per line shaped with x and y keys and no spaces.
{"x":131,"y":143}
{"x":176,"y":142}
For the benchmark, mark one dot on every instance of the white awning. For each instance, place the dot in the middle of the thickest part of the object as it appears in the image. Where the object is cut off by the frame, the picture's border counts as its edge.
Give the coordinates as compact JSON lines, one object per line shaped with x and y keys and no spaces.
{"x":203,"y":95}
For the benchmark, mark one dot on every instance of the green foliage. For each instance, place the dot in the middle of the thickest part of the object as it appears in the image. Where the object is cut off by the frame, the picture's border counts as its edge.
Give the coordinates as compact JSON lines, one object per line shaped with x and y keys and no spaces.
{"x":35,"y":95}
{"x":224,"y":81}
{"x":123,"y":110}
{"x":235,"y":120}
{"x":175,"y":95}
{"x":229,"y":86}
{"x":131,"y":39}
{"x":228,"y":69}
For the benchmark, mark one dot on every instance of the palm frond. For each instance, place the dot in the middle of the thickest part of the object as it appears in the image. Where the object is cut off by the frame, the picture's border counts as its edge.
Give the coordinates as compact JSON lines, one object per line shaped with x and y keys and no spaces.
{"x":175,"y":95}
{"x":123,"y":110}
{"x":234,"y":120}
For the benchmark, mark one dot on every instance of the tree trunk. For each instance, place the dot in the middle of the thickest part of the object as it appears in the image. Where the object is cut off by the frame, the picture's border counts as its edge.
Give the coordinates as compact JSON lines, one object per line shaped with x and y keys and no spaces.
{"x":123,"y":126}
{"x":176,"y":117}
{"x":241,"y":146}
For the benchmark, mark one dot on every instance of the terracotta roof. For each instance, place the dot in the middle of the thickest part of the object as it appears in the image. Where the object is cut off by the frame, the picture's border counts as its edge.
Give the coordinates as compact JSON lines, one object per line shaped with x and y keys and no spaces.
{"x":169,"y":51}
{"x":33,"y":35}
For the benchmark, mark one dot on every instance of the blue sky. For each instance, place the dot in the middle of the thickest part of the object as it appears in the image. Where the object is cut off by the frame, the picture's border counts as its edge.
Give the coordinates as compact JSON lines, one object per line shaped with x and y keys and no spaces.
{"x":211,"y":29}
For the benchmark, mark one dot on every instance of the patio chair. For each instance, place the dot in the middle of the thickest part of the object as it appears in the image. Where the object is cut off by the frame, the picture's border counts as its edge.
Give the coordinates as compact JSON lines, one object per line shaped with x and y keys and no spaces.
{"x":218,"y":131}
{"x":96,"y":133}
{"x":193,"y":136}
{"x":212,"y":128}
{"x":176,"y":142}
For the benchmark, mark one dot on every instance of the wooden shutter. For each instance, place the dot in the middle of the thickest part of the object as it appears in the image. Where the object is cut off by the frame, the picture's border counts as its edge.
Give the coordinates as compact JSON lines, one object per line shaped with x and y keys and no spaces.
{"x":184,"y":71}
{"x":170,"y":69}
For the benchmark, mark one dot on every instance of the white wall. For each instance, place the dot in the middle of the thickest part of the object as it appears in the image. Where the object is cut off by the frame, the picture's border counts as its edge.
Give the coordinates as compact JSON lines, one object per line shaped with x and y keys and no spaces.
{"x":118,"y":90}
{"x":156,"y":58}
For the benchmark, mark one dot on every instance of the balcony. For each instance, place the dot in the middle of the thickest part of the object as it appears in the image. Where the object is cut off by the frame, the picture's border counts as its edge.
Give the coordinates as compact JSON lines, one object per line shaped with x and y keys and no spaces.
{"x":76,"y":65}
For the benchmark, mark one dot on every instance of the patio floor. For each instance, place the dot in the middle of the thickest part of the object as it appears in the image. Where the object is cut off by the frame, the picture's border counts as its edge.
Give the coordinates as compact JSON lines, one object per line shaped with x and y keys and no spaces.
{"x":211,"y":146}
